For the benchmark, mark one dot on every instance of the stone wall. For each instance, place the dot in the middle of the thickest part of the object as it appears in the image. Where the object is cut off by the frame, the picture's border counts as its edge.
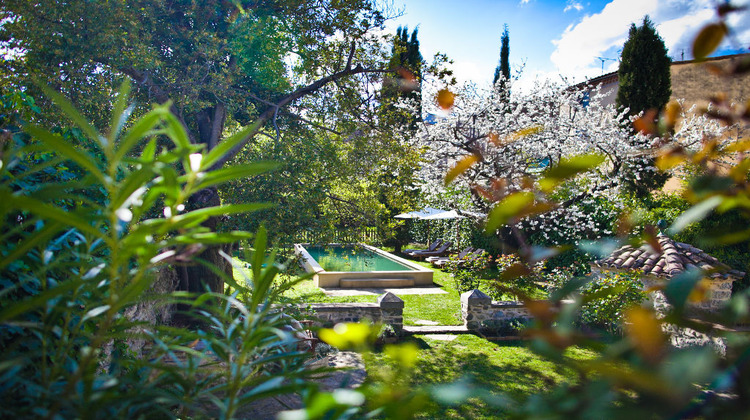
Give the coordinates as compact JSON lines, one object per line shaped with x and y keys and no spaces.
{"x":718,"y":294}
{"x":389,"y":309}
{"x":477,"y":307}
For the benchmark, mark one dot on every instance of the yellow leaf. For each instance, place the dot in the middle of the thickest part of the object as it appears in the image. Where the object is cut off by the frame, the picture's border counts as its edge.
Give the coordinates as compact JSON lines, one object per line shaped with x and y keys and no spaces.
{"x":670,"y":159}
{"x":516,"y":135}
{"x":672,"y":113}
{"x":700,"y":291}
{"x":512,"y":206}
{"x":460,"y":167}
{"x":645,"y":331}
{"x":346,"y":336}
{"x":741,"y":145}
{"x":405,"y":354}
{"x":445,"y":99}
{"x":708,"y":40}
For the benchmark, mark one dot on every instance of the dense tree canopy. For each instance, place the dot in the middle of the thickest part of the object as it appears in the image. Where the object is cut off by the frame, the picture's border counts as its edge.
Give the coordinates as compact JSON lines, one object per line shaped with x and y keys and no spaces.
{"x":644,"y":75}
{"x":220,"y":64}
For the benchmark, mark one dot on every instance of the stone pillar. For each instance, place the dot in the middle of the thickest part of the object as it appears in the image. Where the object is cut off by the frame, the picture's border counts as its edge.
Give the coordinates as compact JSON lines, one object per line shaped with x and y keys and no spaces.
{"x":720,"y":291}
{"x":392,"y":311}
{"x":475,"y":306}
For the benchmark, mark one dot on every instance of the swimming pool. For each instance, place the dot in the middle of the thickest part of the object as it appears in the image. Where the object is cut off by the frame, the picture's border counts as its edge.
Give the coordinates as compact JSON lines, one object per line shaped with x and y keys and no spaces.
{"x":359,"y":265}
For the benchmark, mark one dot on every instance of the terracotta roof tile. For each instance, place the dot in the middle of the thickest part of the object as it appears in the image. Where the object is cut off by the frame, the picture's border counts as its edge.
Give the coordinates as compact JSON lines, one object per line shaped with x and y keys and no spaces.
{"x":674,"y":258}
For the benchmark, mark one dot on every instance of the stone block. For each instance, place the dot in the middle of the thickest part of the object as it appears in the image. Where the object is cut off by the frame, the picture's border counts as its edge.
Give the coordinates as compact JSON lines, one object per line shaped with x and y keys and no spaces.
{"x":390,"y":301}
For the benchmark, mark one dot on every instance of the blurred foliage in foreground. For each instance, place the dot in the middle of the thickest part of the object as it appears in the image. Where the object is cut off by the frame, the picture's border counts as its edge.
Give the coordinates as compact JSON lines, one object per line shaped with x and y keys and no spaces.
{"x":83,"y":262}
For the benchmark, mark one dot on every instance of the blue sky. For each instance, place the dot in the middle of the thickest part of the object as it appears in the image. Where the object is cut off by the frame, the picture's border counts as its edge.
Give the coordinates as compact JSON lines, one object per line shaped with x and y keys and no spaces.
{"x":554,"y":38}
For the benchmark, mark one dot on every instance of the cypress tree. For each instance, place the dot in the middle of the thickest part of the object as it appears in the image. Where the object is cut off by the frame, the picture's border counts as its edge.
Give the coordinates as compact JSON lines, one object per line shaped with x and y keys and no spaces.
{"x":503,"y":67}
{"x":644,"y":75}
{"x":644,"y":84}
{"x":405,"y":83}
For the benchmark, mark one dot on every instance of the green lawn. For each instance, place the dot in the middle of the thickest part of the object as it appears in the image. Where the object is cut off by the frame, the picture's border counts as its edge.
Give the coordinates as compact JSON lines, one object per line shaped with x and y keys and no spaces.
{"x":508,"y":368}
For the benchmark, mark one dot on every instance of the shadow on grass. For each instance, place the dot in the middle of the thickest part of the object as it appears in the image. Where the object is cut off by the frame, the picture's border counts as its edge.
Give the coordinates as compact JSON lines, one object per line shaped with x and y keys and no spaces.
{"x":507,"y":368}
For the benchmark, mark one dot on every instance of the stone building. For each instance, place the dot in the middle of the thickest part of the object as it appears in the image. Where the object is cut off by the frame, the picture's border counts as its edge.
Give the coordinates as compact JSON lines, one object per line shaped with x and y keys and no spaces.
{"x":692,"y":82}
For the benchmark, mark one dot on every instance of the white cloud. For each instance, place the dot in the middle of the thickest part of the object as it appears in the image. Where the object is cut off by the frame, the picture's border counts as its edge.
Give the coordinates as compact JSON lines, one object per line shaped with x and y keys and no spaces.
{"x":573,"y":5}
{"x":579,"y":47}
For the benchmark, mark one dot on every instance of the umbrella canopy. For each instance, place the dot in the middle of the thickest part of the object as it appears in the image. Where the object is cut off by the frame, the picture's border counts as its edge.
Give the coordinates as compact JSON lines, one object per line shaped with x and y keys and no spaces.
{"x":420,"y":214}
{"x":449,"y":214}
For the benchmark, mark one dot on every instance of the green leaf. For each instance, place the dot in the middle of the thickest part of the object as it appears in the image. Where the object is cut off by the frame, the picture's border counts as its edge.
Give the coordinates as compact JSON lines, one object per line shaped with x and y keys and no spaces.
{"x":140,"y":130}
{"x":210,"y":238}
{"x":694,"y":214}
{"x":679,"y":287}
{"x":54,"y":213}
{"x":259,"y":253}
{"x":507,"y":209}
{"x":29,"y":242}
{"x":197,"y":216}
{"x":64,"y":148}
{"x":220,"y":176}
{"x":708,"y":39}
{"x":38,"y":300}
{"x":95,"y":312}
{"x":120,"y":112}
{"x":572,"y":166}
{"x":226,"y":145}
{"x":69,"y":110}
{"x":175,"y":131}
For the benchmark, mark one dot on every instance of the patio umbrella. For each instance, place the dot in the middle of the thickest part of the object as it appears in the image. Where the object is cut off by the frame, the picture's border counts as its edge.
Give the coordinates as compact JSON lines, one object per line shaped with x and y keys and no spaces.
{"x":429,"y":213}
{"x":419,"y":214}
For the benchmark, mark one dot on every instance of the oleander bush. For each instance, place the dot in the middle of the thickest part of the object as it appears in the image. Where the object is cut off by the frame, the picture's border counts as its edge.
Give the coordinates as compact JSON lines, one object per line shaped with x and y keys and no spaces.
{"x":82,"y":253}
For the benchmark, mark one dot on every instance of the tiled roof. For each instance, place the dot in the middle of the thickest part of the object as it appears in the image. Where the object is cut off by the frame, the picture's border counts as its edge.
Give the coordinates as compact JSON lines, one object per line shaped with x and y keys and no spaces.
{"x":674,"y":258}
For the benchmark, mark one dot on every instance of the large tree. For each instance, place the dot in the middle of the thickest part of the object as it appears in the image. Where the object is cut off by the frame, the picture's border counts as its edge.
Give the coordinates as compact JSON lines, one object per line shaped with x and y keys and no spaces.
{"x":215,"y":61}
{"x":644,"y":75}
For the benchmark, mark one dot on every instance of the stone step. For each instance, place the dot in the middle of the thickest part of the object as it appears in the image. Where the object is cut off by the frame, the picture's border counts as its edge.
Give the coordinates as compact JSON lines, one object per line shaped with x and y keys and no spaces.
{"x":435,"y":329}
{"x":375,"y":282}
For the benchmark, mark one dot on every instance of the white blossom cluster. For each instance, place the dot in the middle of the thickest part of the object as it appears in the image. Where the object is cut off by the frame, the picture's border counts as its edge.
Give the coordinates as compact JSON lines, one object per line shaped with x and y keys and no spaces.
{"x":518,"y":139}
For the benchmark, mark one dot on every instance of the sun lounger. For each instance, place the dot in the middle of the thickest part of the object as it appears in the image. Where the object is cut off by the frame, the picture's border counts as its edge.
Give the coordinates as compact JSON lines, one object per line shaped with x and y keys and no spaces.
{"x":438,"y":261}
{"x":443,"y":250}
{"x":433,"y":246}
{"x":474,"y":254}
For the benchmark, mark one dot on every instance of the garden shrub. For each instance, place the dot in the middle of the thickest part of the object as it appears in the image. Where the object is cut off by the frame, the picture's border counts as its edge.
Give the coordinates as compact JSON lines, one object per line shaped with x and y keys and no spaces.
{"x":505,"y":327}
{"x":606,"y":297}
{"x":80,"y":250}
{"x":468,"y":275}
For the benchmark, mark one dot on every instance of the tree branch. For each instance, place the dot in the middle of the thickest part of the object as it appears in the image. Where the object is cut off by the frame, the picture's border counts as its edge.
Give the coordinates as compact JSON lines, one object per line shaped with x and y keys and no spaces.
{"x":286,"y":100}
{"x":144,"y":79}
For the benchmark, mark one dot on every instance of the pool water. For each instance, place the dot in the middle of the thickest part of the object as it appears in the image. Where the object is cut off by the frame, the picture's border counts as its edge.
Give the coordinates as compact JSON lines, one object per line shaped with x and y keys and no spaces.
{"x":353,"y":259}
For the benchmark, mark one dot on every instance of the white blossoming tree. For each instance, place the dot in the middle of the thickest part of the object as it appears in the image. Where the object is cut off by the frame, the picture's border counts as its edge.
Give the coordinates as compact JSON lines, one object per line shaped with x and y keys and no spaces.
{"x":499,"y":148}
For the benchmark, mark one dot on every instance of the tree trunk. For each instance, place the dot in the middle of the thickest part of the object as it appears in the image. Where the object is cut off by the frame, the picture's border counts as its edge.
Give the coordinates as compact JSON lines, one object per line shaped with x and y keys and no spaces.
{"x":197,"y":277}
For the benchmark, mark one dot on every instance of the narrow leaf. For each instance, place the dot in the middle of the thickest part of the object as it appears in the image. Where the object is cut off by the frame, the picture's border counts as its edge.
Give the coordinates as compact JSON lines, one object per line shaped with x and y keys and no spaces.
{"x":69,"y":110}
{"x":220,"y":176}
{"x":507,"y":209}
{"x":694,"y":214}
{"x":708,"y":40}
{"x":47,"y":211}
{"x":95,"y":312}
{"x":140,"y":130}
{"x":460,"y":167}
{"x":120,"y":112}
{"x":226,"y":145}
{"x":66,"y":149}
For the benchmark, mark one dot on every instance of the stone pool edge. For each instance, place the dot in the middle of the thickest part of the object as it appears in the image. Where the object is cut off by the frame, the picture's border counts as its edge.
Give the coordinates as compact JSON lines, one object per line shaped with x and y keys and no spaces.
{"x":421,"y":276}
